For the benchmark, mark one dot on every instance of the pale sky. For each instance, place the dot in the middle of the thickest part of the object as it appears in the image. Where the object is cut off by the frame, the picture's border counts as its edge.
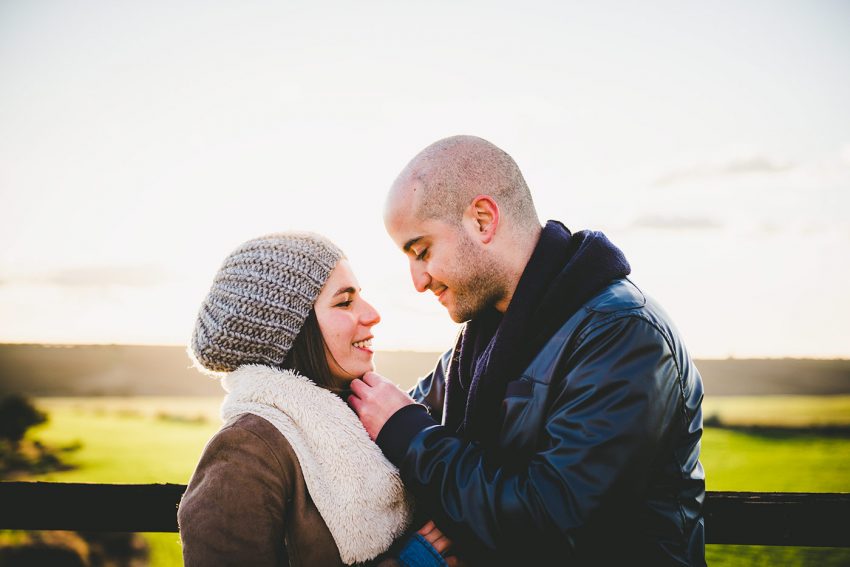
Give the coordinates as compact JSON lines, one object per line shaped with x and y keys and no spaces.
{"x":141,"y":141}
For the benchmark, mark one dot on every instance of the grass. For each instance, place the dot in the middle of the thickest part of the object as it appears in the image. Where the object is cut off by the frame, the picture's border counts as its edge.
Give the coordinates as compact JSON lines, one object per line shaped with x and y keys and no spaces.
{"x":783,"y":411}
{"x":131,"y":442}
{"x":126,"y":445}
{"x":156,"y":440}
{"x":738,"y":461}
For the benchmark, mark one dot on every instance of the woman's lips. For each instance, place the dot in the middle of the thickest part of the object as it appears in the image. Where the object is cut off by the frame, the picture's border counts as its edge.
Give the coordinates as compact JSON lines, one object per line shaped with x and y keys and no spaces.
{"x":364,"y":345}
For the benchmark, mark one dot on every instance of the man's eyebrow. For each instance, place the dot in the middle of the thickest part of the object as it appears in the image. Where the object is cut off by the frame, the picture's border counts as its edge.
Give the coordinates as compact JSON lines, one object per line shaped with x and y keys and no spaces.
{"x":342,"y":290}
{"x":410,"y":243}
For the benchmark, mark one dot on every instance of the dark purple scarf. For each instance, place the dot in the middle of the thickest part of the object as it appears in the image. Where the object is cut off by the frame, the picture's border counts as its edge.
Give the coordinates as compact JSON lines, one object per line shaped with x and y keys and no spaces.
{"x":565,"y":270}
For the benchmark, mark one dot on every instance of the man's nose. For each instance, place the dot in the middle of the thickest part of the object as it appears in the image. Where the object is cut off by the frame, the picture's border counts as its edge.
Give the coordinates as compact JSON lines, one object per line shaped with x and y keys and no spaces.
{"x":421,"y":278}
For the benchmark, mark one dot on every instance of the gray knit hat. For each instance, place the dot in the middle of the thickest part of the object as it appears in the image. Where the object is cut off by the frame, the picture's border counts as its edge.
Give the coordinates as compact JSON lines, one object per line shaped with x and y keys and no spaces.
{"x":260,"y":298}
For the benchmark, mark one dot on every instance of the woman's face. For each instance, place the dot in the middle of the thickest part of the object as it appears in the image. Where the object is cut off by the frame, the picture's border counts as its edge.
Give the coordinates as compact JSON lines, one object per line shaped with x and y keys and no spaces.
{"x":346,"y":322}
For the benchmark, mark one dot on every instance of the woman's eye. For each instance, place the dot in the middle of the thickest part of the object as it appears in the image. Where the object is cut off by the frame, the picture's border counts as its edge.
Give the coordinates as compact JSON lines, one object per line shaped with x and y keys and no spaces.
{"x":421,"y":255}
{"x":344,"y":303}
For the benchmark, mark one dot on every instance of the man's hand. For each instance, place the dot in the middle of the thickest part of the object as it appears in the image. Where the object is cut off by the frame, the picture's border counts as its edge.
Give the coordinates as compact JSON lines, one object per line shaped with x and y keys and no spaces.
{"x":376,"y":399}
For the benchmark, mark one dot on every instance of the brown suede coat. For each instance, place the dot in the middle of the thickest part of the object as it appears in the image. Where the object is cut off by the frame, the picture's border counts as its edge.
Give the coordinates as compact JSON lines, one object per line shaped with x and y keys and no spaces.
{"x":247,"y":504}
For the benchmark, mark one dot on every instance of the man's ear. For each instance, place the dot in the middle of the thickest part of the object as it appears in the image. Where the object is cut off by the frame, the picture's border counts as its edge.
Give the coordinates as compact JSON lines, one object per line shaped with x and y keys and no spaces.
{"x":484,"y":214}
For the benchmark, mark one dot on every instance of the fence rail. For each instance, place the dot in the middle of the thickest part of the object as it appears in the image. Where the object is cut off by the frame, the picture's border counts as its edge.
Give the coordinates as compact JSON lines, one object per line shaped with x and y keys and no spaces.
{"x":746,"y":518}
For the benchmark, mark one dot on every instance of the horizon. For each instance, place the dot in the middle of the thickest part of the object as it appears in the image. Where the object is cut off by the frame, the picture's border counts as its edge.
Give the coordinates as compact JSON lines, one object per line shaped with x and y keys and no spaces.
{"x":710,"y":143}
{"x":414,"y":351}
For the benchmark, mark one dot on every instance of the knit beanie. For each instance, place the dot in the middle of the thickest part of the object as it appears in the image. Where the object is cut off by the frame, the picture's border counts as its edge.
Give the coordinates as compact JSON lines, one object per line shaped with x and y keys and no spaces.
{"x":259,"y":300}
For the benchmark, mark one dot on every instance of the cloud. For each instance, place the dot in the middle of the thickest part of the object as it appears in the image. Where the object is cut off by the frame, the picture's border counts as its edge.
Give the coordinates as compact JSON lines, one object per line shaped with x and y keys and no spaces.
{"x":93,"y":276}
{"x":770,"y":228}
{"x":734,"y":167}
{"x":675,"y":222}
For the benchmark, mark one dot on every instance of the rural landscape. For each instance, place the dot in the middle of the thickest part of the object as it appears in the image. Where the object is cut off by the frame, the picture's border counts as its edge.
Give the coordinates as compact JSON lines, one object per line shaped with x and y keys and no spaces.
{"x":134,"y":414}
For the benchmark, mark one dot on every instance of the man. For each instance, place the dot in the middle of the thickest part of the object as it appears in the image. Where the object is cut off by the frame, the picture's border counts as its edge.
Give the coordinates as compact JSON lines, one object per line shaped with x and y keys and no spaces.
{"x":564,"y":427}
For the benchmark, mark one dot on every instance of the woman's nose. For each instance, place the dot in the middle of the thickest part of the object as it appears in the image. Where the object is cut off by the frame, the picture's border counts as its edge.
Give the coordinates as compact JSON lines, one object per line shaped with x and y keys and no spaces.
{"x":370,"y":315}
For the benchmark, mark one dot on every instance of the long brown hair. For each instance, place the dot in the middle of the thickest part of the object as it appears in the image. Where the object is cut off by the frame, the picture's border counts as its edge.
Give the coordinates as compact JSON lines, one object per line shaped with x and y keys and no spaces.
{"x":309,"y":357}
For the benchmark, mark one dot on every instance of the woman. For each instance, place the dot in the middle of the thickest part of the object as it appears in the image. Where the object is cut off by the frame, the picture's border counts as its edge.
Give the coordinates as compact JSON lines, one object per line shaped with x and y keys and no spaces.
{"x":292,"y":478}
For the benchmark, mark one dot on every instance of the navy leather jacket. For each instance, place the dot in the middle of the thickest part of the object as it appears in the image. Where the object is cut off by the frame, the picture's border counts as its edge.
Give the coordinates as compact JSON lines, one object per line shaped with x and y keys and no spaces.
{"x":597,"y":459}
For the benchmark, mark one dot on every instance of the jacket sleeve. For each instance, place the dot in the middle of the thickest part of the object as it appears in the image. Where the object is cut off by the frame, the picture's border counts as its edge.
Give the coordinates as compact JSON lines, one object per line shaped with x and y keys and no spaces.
{"x":430,"y":391}
{"x":234,"y":507}
{"x":411,"y":550}
{"x":607,"y":415}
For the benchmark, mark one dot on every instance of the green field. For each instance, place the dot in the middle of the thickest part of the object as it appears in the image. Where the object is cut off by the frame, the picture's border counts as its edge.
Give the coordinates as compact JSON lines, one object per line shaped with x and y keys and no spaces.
{"x":785,"y":411}
{"x":146,"y":440}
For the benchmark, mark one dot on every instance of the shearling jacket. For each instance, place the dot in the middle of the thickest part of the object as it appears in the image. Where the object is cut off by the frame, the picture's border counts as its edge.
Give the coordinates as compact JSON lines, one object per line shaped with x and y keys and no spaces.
{"x":292,"y":478}
{"x":595,"y":455}
{"x":259,"y":513}
{"x":256,"y":513}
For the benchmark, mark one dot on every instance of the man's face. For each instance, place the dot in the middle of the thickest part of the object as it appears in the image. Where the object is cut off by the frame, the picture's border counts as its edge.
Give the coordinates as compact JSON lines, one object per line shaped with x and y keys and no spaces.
{"x":447,"y":260}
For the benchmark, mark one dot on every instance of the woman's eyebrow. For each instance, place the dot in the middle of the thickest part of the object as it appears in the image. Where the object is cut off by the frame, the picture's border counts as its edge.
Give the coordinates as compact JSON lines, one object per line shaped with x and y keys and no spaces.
{"x":342,"y":290}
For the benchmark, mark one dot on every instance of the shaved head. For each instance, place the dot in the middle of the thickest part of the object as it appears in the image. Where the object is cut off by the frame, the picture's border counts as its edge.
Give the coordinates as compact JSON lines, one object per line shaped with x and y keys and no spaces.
{"x":463,"y":215}
{"x":444,"y":178}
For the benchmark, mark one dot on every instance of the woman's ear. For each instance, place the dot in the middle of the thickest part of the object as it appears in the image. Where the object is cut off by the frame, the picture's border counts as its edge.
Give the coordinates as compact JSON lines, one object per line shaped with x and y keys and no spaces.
{"x":483,"y":213}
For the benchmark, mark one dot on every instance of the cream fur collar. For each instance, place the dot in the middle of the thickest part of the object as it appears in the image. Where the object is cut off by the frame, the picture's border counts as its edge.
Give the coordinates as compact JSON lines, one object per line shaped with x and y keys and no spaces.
{"x":356,"y":489}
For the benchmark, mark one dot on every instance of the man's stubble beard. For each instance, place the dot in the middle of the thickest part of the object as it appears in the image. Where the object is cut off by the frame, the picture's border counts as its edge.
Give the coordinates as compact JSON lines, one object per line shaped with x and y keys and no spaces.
{"x":480,"y":283}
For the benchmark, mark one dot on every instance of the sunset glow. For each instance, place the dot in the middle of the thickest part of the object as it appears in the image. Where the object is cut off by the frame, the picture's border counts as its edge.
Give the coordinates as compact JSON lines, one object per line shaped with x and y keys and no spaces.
{"x":140,"y":142}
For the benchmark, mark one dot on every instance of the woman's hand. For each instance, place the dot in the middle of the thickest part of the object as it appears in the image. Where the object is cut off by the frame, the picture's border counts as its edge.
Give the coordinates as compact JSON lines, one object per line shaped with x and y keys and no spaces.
{"x":440,"y":542}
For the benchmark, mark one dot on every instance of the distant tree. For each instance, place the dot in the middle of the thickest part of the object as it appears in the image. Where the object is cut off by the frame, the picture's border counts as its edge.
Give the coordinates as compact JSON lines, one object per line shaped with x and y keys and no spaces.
{"x":17,"y":414}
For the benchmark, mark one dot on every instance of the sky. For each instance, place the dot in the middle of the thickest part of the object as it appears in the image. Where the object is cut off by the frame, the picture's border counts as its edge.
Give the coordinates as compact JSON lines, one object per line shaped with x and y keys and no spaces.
{"x":140,"y":142}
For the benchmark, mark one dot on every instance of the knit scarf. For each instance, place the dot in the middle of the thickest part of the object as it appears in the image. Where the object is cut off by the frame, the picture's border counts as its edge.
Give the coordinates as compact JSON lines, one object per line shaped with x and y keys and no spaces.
{"x":564,"y":271}
{"x":356,"y":489}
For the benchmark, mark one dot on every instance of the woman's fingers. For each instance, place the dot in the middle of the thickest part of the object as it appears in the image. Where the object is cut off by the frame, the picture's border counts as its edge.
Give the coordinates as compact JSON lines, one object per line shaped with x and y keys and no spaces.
{"x":426,"y":529}
{"x":442,"y":544}
{"x":435,"y":537}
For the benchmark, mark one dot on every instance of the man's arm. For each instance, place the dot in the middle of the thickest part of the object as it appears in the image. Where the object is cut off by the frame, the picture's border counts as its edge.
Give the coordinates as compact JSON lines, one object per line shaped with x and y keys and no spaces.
{"x":376,"y":399}
{"x":607,"y":421}
{"x":430,"y":391}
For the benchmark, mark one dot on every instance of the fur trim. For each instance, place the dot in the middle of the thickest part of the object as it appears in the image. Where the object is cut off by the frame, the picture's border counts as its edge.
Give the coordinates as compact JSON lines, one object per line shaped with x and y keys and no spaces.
{"x":356,"y":489}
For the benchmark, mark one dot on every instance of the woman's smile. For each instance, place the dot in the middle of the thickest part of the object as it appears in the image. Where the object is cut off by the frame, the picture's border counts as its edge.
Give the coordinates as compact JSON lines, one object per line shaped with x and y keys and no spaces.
{"x":346,"y":320}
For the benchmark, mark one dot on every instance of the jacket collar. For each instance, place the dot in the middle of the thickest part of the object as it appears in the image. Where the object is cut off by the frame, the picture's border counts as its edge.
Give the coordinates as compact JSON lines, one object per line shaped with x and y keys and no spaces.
{"x":356,"y":489}
{"x":564,"y":271}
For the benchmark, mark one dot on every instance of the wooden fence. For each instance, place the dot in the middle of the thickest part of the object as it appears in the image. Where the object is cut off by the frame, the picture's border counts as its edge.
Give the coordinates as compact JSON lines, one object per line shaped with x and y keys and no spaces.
{"x":746,"y":518}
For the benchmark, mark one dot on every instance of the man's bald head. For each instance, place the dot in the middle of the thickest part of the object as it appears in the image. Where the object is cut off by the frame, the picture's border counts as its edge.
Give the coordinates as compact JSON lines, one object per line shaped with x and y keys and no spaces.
{"x":444,"y":178}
